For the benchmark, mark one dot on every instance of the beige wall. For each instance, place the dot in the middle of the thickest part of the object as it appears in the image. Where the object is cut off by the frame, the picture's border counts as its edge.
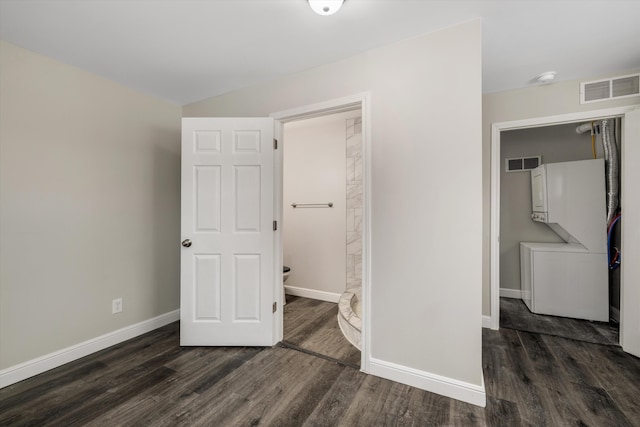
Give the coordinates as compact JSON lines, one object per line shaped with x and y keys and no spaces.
{"x":314,"y":170}
{"x":539,"y":101}
{"x":426,"y":265}
{"x":89,"y":205}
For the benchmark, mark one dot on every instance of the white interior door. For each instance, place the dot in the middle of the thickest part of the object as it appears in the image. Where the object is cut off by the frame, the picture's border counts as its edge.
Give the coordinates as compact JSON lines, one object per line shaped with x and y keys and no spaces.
{"x":227,"y":263}
{"x":630,"y":292}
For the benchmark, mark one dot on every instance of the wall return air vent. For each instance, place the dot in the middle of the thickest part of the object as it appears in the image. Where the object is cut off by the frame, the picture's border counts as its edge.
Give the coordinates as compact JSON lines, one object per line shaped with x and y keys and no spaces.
{"x":520,"y":164}
{"x":615,"y":88}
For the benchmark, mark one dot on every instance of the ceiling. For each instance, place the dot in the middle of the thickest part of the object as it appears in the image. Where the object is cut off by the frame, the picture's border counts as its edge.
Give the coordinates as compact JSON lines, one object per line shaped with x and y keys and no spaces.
{"x":188,"y":50}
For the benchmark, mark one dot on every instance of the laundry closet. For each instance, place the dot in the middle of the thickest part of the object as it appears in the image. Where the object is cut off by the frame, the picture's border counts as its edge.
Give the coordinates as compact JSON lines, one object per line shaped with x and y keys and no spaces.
{"x":561,"y":265}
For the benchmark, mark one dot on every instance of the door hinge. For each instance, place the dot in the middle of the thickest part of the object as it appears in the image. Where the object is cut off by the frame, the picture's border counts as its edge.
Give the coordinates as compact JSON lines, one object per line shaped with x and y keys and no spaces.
{"x":275,"y":144}
{"x":275,"y":306}
{"x":275,"y":225}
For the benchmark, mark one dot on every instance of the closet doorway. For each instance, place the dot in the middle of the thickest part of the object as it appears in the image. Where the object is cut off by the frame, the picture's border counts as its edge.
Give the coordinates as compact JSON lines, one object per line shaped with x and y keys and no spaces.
{"x":630,"y":289}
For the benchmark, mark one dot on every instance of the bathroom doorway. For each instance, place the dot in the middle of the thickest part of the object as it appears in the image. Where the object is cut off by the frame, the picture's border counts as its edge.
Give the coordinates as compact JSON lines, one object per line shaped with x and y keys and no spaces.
{"x":322,"y":234}
{"x":323,"y":230}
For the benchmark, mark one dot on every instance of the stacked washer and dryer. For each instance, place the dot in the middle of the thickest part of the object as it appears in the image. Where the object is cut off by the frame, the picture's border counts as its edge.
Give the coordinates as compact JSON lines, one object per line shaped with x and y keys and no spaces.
{"x":568,"y":279}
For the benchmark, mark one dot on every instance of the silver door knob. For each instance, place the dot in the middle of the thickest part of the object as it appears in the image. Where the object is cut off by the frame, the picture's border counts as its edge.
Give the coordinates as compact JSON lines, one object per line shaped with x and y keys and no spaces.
{"x":186,"y":243}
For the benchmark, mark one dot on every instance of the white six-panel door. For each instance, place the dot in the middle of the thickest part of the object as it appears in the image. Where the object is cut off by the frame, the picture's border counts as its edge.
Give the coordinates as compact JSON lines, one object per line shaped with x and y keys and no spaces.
{"x":227,"y":271}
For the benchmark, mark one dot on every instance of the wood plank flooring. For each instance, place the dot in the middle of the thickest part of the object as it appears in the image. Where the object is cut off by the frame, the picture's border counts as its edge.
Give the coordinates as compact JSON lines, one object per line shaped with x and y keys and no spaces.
{"x":531,"y":379}
{"x":312,"y":325}
{"x":514,"y":314}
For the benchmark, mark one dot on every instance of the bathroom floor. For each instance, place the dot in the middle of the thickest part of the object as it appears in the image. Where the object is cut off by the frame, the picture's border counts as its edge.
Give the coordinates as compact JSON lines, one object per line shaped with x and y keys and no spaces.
{"x":312,"y":326}
{"x":514,"y":314}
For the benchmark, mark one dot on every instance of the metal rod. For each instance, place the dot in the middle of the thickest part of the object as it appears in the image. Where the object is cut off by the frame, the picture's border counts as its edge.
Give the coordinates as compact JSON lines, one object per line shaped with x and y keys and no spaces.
{"x":312,"y":205}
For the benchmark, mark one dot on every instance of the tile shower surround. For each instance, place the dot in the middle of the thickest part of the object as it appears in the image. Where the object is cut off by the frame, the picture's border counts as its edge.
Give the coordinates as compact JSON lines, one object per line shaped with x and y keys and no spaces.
{"x":349,"y":303}
{"x":354,"y":203}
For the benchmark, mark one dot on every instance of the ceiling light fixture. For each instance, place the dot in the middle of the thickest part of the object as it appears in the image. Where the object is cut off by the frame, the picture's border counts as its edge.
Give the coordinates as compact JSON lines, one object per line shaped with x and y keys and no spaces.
{"x":325,"y":7}
{"x":546,"y":77}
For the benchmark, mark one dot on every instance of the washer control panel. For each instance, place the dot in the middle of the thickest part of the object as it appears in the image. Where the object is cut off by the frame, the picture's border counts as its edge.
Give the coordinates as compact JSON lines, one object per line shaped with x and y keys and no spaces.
{"x":539,"y":216}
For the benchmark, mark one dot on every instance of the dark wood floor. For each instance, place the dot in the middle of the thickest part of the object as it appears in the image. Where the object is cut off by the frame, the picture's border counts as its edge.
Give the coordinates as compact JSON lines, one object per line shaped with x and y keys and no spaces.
{"x":531,"y":379}
{"x":312,"y":325}
{"x":514,"y":314}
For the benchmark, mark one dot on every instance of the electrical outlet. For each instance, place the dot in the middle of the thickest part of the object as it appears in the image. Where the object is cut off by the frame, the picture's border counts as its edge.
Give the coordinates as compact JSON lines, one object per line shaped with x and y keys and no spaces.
{"x":116,"y":306}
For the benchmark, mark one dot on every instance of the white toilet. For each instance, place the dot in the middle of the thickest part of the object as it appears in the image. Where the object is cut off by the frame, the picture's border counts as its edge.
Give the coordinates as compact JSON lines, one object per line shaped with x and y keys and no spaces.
{"x":285,"y":275}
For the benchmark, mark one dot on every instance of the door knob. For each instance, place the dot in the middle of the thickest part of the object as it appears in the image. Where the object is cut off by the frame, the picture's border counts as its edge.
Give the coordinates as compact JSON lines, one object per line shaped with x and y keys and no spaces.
{"x":186,"y":243}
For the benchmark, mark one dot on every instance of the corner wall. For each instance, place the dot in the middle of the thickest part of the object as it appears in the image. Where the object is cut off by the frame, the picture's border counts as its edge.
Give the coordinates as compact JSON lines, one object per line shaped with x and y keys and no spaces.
{"x":89,"y":206}
{"x":426,"y":236}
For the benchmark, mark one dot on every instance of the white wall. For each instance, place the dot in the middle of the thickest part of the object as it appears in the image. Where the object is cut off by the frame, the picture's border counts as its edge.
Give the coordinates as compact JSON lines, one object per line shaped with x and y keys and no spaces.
{"x":537,"y":101}
{"x":555,"y":144}
{"x":89,"y":206}
{"x":426,"y":246}
{"x":314,"y":165}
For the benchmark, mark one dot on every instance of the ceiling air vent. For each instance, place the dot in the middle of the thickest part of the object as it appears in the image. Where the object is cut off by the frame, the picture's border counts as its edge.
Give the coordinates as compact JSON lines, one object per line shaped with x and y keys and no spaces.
{"x":520,"y":164}
{"x":617,"y":87}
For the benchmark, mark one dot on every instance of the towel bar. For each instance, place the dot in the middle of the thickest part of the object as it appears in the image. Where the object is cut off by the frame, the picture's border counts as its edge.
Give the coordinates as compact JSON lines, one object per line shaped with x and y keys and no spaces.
{"x":312,"y":205}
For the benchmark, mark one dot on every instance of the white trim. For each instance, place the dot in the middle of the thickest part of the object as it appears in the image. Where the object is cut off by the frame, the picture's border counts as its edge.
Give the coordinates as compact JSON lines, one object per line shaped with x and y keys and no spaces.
{"x":367,"y":195}
{"x":629,"y":285}
{"x":455,"y":389}
{"x":496,"y":128}
{"x":495,"y":227}
{"x":511,"y":293}
{"x":311,"y":293}
{"x":278,"y":290}
{"x":362,"y":101}
{"x":563,"y":118}
{"x":324,"y":108}
{"x":486,"y":321}
{"x":49,"y":361}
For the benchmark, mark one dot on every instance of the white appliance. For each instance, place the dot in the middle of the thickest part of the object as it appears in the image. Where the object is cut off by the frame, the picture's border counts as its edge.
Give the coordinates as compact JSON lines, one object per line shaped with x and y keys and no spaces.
{"x":568,"y":279}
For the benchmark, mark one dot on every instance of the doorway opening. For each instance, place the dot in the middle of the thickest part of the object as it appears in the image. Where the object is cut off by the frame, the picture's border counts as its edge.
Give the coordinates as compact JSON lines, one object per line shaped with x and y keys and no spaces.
{"x":322,"y":234}
{"x":586,"y":301}
{"x":500,"y":130}
{"x":321,"y":193}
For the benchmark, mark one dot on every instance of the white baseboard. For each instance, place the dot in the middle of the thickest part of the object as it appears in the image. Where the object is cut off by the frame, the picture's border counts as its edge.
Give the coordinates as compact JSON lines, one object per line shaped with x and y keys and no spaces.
{"x":470,"y":393}
{"x":49,"y":361}
{"x":486,"y":322}
{"x":511,"y":293}
{"x":312,"y":293}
